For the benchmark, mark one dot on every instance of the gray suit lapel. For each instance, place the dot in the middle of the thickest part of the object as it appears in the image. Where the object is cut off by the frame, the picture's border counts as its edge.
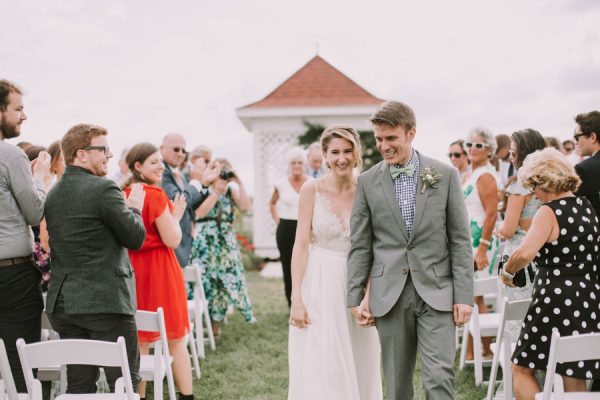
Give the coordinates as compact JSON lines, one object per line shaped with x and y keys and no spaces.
{"x":421,"y":200}
{"x":387,"y":187}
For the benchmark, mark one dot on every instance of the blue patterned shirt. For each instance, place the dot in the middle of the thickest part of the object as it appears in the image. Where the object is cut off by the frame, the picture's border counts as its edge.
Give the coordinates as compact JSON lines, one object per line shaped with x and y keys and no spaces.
{"x":405,"y":188}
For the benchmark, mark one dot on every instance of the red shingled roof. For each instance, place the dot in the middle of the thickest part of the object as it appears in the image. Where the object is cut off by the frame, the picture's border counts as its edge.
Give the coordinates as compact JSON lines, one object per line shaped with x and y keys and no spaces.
{"x":317,"y":83}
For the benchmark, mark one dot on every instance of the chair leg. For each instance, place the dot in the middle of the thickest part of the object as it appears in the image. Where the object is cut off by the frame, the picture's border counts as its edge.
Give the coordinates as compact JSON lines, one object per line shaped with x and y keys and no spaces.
{"x":158,"y":388}
{"x":192,"y":345}
{"x":171,"y":383}
{"x":463,"y":348}
{"x":477,"y":359}
{"x":199,"y":333}
{"x":211,"y":336}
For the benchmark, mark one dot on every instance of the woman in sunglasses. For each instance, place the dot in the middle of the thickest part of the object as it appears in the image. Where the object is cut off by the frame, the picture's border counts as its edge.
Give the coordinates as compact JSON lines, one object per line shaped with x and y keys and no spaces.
{"x":481,"y":198}
{"x":459,"y":158}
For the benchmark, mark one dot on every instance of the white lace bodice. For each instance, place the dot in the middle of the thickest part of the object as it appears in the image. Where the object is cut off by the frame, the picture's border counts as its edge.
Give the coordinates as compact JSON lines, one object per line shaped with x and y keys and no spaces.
{"x":328,"y":231}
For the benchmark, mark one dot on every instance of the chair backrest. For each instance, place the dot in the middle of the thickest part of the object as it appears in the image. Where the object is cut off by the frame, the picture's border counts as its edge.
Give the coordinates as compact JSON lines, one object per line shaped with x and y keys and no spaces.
{"x":192,"y":274}
{"x":6,"y":375}
{"x":149,"y":321}
{"x":73,"y":351}
{"x":485,"y":286}
{"x":569,"y":349}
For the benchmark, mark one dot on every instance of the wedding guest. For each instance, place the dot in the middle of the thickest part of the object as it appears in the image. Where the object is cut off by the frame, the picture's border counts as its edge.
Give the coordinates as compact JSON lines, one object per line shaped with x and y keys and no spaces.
{"x":215,"y":248}
{"x":92,"y":292}
{"x":551,"y":141}
{"x":57,"y":162}
{"x":587,"y":136}
{"x":158,"y":277}
{"x":123,"y":174}
{"x":573,"y":156}
{"x":520,"y":207}
{"x":563,"y":242}
{"x":284,"y":210}
{"x":33,"y":151}
{"x":459,"y":158}
{"x":331,"y":356}
{"x":22,"y":196}
{"x":24,"y":145}
{"x":481,"y":198}
{"x":202,"y":154}
{"x":195,"y":191}
{"x":501,"y":160}
{"x":314,"y":158}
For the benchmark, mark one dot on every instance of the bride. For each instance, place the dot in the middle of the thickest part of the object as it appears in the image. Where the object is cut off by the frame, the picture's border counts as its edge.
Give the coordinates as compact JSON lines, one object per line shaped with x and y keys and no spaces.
{"x":330,"y":356}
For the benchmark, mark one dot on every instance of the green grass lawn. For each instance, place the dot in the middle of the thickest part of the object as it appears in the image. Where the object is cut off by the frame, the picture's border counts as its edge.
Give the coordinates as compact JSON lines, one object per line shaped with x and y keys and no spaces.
{"x":250,"y":362}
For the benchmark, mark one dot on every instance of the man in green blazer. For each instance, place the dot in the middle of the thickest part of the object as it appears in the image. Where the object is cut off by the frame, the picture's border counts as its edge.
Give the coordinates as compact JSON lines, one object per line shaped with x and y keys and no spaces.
{"x":91,"y":225}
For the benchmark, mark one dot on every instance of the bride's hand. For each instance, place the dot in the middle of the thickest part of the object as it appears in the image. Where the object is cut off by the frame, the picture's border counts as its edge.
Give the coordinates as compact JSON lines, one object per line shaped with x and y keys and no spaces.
{"x":299,"y":315}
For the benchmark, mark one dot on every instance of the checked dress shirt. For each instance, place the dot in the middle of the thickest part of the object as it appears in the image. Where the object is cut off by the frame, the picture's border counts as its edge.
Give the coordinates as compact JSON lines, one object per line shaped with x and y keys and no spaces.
{"x":405,"y":188}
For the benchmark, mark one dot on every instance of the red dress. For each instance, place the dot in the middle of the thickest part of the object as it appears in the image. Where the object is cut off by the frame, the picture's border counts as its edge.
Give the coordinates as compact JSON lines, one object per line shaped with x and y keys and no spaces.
{"x":158,"y":276}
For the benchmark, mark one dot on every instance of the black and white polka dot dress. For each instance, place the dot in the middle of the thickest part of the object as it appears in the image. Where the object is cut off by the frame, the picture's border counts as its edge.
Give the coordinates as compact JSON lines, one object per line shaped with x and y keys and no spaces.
{"x":566,"y":291}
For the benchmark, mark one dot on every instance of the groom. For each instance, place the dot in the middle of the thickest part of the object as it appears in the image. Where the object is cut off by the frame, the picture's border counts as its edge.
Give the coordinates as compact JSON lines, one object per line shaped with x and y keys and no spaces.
{"x":410,"y":238}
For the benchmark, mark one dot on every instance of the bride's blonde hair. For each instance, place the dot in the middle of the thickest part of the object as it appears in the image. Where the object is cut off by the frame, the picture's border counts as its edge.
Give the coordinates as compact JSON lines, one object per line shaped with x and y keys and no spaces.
{"x":345,"y":132}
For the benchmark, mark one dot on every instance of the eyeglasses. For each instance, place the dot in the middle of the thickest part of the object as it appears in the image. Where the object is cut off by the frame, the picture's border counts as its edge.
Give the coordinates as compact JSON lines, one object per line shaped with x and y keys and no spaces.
{"x":478,"y":146}
{"x":104,"y":149}
{"x":576,"y":136}
{"x":179,"y":150}
{"x":455,"y":155}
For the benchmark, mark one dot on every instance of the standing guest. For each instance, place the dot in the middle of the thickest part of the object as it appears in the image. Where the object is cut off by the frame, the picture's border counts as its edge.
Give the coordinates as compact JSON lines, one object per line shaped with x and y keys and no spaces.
{"x":551,"y":141}
{"x":459,"y":158}
{"x":57,"y":162}
{"x":587,"y":136}
{"x":314,"y":158}
{"x":521,"y":205}
{"x":202,"y":154}
{"x":92,"y":292}
{"x":501,"y":160}
{"x":158,"y":277}
{"x":33,"y":151}
{"x":284,"y":210}
{"x":215,"y":248}
{"x":195,"y":192}
{"x":481,"y":198}
{"x":22,"y":196}
{"x":123,"y":174}
{"x":563,"y":242}
{"x":568,"y":149}
{"x":24,"y":145}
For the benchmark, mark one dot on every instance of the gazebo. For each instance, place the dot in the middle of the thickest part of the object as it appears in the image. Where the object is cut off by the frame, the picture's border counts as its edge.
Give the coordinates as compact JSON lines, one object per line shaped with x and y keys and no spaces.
{"x":317,"y":93}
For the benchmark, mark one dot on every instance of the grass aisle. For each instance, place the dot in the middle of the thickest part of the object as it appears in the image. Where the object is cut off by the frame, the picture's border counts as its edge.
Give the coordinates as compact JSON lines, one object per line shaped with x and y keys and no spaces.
{"x":250,"y":362}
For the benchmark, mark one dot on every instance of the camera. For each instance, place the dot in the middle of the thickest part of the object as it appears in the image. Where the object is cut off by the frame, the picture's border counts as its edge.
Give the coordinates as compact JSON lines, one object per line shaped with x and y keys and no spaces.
{"x":226,"y":174}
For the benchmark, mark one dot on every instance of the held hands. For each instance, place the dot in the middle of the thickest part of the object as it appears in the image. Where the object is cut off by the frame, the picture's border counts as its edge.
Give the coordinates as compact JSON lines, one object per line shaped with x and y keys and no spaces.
{"x":136,"y":197}
{"x":299,"y":315}
{"x":179,"y":206}
{"x":362,"y":314}
{"x":211,"y":173}
{"x":462,"y":314}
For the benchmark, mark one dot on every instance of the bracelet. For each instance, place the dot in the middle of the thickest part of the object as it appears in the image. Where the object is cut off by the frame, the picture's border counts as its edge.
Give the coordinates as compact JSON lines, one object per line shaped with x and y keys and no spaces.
{"x":507,"y":274}
{"x":486,"y":242}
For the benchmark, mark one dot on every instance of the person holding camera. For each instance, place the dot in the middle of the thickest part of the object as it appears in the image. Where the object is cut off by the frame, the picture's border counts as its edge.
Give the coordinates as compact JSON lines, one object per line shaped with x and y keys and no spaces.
{"x":215,"y":247}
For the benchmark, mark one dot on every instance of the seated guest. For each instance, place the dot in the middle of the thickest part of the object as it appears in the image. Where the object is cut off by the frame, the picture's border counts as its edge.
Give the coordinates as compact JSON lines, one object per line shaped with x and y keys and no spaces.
{"x":587,"y":136}
{"x":158,"y":277}
{"x":459,"y":158}
{"x":92,"y":292}
{"x":520,"y":207}
{"x":563,"y":242}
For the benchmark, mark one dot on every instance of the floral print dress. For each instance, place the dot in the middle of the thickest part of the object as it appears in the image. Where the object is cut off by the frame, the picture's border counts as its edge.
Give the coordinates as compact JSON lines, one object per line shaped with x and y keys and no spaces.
{"x":215,"y":250}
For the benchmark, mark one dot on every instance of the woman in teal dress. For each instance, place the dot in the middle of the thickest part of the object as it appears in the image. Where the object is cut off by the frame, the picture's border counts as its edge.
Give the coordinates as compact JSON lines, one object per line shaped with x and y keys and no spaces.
{"x":215,"y":249}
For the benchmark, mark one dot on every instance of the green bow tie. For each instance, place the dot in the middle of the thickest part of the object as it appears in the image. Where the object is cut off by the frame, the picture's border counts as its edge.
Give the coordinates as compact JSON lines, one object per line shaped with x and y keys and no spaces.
{"x":396,"y":170}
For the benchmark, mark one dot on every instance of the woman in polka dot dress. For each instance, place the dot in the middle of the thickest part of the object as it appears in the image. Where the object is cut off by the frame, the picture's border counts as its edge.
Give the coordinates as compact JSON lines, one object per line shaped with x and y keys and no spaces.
{"x":563,"y":241}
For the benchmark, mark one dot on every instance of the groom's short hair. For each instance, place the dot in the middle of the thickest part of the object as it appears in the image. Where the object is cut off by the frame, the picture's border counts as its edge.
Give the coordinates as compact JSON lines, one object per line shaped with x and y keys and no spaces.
{"x":394,"y":114}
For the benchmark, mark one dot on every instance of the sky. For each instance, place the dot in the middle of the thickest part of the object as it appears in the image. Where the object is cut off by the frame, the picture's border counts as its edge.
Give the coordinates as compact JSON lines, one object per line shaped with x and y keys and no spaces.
{"x":143,"y":68}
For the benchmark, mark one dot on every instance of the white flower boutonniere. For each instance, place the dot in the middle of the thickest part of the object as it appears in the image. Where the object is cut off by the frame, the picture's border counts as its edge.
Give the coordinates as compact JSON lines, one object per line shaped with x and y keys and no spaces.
{"x":429,"y":177}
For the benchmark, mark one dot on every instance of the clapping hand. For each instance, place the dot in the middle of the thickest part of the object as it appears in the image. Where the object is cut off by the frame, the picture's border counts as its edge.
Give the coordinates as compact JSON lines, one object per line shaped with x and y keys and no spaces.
{"x":41,"y":166}
{"x":197,"y":169}
{"x":179,"y":206}
{"x":211,"y":173}
{"x":299,"y":315}
{"x":136,"y":197}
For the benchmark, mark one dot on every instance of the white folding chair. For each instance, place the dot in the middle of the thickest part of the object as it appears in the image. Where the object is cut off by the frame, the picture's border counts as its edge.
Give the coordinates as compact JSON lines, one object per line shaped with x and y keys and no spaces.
{"x":55,"y":374}
{"x":503,"y":348}
{"x":569,"y":349}
{"x":76,"y":351}
{"x":198,"y":309}
{"x":194,"y":313}
{"x":7,"y":383}
{"x":480,"y":325}
{"x":155,"y":367}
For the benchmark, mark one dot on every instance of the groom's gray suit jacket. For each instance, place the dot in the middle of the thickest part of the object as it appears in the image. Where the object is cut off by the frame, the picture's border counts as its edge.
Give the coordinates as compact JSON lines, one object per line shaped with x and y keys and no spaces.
{"x":438,"y":254}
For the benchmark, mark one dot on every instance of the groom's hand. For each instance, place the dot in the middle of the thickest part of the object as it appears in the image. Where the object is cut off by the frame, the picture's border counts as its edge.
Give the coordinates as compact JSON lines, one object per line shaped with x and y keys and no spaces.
{"x":362,"y":315}
{"x":462,"y":314}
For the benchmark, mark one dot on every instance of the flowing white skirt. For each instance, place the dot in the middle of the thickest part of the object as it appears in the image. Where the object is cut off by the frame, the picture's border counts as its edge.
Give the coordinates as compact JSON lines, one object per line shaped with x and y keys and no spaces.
{"x":334,"y":358}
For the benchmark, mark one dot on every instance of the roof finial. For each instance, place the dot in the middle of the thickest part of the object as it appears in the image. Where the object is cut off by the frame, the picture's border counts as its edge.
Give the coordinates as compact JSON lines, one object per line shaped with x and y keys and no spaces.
{"x":317,"y":47}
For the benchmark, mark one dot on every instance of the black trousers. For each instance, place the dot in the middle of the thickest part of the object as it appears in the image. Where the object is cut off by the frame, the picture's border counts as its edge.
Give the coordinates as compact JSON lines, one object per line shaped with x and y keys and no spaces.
{"x":101,"y":326}
{"x":286,"y":235}
{"x":21,"y":307}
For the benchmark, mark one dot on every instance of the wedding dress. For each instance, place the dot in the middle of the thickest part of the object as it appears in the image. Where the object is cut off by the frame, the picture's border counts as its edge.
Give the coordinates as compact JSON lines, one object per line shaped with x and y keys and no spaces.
{"x":333,"y":358}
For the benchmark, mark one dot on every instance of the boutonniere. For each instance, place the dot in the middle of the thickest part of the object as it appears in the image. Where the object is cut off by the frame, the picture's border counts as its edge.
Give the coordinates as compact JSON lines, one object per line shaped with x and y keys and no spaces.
{"x":429,"y":177}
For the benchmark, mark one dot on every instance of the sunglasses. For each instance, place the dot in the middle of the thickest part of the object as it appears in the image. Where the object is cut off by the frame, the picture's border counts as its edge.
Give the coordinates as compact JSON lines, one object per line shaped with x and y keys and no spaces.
{"x":179,"y":150}
{"x":455,"y":155}
{"x":478,"y":146}
{"x":104,"y":149}
{"x":578,"y":135}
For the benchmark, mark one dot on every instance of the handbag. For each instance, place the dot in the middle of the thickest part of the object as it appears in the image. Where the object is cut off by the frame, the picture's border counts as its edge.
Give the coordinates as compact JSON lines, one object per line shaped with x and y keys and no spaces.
{"x":520,"y":279}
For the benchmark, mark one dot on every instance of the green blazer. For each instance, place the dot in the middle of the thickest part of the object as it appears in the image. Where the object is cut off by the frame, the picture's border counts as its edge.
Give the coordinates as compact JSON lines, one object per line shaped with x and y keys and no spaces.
{"x":90,"y":230}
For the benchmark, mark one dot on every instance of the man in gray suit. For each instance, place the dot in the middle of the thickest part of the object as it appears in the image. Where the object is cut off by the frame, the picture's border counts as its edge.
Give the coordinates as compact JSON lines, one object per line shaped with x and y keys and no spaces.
{"x":410,"y":267}
{"x":91,"y":225}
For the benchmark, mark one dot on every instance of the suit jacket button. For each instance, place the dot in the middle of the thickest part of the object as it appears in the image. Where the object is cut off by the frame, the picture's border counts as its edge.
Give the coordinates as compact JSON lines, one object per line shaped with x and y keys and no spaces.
{"x":405,"y":271}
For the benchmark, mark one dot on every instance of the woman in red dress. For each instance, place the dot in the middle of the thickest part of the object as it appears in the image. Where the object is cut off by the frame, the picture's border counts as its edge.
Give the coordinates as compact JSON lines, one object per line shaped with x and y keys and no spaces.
{"x":158,"y":276}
